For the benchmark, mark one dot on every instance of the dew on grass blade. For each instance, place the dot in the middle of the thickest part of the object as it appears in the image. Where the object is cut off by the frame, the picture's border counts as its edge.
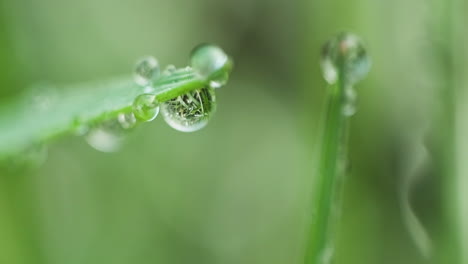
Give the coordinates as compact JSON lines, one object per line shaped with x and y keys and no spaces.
{"x":345,"y":52}
{"x":349,"y":101}
{"x":103,"y":140}
{"x":107,"y":137}
{"x":146,"y":107}
{"x":146,"y":70}
{"x":191,"y":111}
{"x":127,"y":120}
{"x":170,"y":69}
{"x":208,"y":61}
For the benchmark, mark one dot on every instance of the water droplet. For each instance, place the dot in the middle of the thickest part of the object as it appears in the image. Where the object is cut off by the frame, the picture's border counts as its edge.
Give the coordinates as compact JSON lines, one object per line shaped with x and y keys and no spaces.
{"x":43,"y":96}
{"x":127,"y":120}
{"x":347,"y":52}
{"x":146,"y":107}
{"x":170,"y":69}
{"x":103,"y":140}
{"x":191,"y":111}
{"x":107,"y":137}
{"x":208,"y":61}
{"x":349,"y":101}
{"x":146,"y":70}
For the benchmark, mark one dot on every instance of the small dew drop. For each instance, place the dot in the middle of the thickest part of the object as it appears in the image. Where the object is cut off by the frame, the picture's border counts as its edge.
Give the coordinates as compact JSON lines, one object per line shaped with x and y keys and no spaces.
{"x":146,"y":70}
{"x":43,"y":96}
{"x":127,"y":120}
{"x":208,"y":61}
{"x":170,"y":69}
{"x":347,"y":52}
{"x":191,"y":111}
{"x":146,"y":107}
{"x":350,"y":101}
{"x":107,"y":137}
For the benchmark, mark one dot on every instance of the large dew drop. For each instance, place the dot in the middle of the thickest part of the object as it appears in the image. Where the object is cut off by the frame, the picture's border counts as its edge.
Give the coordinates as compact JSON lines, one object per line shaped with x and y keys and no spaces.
{"x":191,"y":111}
{"x":346,"y":54}
{"x":146,"y":70}
{"x":145,"y":107}
{"x":212,"y":63}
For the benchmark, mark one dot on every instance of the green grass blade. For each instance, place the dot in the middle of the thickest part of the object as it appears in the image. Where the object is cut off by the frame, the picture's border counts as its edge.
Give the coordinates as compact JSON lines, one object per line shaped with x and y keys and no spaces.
{"x":344,"y":63}
{"x":45,"y":113}
{"x":327,"y":186}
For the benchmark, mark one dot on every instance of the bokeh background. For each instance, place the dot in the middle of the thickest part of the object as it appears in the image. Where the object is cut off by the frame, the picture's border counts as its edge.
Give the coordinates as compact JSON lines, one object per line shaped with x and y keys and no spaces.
{"x":237,"y":191}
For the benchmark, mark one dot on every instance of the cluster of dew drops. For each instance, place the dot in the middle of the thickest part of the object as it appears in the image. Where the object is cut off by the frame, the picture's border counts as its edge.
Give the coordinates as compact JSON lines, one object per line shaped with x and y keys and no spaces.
{"x":187,"y":113}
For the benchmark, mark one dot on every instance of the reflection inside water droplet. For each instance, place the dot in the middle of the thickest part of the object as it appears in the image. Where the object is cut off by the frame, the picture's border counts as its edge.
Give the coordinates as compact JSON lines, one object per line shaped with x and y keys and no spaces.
{"x":345,"y":52}
{"x":146,"y":70}
{"x":191,"y":111}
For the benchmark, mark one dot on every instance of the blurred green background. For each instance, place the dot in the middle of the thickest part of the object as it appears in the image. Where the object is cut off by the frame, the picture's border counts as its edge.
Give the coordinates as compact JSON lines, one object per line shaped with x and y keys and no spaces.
{"x":238,"y":190}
